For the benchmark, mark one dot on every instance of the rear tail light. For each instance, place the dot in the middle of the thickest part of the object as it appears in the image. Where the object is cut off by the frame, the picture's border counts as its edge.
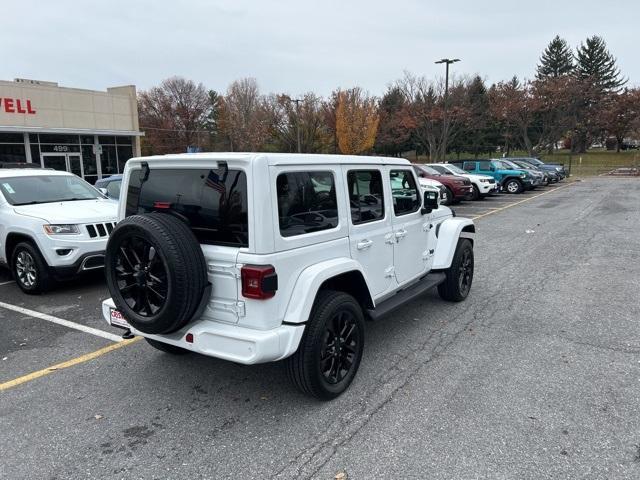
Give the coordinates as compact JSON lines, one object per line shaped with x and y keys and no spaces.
{"x":259,"y":281}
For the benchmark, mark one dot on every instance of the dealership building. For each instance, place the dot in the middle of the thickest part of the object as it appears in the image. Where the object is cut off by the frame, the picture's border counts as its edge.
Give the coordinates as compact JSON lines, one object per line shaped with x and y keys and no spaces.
{"x":86,"y":132}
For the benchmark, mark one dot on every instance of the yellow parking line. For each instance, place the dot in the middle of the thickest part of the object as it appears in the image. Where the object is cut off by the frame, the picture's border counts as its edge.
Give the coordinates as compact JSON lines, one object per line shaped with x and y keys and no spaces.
{"x":69,"y":363}
{"x":521,"y":201}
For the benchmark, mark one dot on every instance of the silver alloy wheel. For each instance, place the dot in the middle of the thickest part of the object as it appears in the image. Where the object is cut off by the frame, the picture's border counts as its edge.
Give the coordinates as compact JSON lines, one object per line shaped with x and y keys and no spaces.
{"x":512,"y":187}
{"x":26,"y":269}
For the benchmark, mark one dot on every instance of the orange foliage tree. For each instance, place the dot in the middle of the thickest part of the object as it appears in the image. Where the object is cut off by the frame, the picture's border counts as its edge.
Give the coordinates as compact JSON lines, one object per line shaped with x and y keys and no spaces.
{"x":356,"y":121}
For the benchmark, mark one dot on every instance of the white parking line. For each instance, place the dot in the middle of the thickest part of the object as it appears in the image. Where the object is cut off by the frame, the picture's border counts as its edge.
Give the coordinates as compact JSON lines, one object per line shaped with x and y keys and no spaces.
{"x":6,"y":283}
{"x":61,"y":321}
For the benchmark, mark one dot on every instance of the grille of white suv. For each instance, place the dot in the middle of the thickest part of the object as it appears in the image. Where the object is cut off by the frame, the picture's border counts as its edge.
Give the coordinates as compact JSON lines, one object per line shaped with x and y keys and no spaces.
{"x":100,"y":229}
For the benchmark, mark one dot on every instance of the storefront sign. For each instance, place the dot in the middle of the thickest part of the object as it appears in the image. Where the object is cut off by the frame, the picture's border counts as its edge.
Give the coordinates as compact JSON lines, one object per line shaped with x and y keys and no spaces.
{"x":16,"y":105}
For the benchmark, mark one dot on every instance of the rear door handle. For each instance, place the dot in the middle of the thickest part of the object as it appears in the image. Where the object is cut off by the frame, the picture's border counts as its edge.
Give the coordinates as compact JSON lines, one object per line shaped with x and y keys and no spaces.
{"x":401,"y":233}
{"x":364,"y":244}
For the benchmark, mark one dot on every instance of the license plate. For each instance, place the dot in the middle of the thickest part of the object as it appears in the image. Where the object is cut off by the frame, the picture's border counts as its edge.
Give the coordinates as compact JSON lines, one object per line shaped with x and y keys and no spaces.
{"x":117,"y":320}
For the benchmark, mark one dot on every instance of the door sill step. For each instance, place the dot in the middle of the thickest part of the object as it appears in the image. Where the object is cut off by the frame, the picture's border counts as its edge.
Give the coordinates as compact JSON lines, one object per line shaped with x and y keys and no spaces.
{"x":403,"y":296}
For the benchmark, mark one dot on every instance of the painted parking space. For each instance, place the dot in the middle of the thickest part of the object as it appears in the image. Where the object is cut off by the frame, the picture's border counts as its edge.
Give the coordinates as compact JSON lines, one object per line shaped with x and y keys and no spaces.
{"x":79,"y":303}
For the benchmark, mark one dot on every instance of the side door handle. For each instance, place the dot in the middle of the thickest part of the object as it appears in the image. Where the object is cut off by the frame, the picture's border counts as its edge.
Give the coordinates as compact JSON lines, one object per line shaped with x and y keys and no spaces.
{"x":401,"y":234}
{"x":364,"y":244}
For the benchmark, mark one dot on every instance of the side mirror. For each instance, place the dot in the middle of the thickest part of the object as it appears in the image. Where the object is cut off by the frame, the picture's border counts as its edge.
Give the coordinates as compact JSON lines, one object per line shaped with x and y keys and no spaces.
{"x":104,"y":191}
{"x":430,"y":202}
{"x":492,"y":168}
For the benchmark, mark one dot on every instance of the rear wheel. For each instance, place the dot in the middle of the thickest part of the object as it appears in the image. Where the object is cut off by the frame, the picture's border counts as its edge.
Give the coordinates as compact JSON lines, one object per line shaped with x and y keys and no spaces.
{"x":513,"y":185}
{"x":30,"y":269}
{"x":331,"y":348}
{"x":459,"y":275}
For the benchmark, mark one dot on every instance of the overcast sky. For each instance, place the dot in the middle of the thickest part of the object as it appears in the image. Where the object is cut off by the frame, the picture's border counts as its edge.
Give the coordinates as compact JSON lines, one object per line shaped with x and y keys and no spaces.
{"x":296,"y":46}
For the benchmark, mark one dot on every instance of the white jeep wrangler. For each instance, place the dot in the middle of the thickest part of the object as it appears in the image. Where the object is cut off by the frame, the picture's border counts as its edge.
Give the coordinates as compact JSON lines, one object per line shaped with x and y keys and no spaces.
{"x":263,"y":257}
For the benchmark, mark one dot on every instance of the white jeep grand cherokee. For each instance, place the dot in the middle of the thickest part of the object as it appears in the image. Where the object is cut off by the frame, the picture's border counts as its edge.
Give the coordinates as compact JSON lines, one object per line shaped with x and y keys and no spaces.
{"x":261,"y":257}
{"x":53,"y":225}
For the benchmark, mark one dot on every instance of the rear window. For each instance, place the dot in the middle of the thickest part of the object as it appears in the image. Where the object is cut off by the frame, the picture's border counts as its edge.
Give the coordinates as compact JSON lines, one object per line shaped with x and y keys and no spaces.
{"x":306,"y":202}
{"x":213,"y":201}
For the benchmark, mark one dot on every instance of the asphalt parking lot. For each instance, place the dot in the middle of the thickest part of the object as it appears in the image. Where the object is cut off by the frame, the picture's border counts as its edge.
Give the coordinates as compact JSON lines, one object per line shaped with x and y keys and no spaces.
{"x":535,"y":375}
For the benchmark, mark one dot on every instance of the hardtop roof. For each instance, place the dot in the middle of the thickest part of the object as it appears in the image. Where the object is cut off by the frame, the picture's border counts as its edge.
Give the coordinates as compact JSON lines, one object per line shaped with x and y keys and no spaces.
{"x":272,"y":159}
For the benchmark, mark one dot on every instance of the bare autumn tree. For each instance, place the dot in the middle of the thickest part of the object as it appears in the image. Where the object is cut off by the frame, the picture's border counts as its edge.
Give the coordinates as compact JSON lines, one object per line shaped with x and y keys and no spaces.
{"x":356,"y":121}
{"x":432,"y":130}
{"x":173,"y":115}
{"x":513,"y":104}
{"x":244,"y":116}
{"x":621,"y":115}
{"x":285,"y":118}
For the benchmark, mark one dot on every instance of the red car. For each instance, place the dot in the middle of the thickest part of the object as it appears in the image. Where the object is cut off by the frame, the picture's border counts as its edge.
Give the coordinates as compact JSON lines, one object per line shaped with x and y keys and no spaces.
{"x":457,"y":187}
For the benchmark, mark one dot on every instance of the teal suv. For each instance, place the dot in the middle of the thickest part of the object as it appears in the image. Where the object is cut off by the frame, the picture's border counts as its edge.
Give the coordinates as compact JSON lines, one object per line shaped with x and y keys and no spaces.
{"x":509,"y":179}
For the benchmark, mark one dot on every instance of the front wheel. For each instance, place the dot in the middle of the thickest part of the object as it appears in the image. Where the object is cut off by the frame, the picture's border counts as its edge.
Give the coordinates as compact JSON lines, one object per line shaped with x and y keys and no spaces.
{"x":513,"y":186}
{"x":459,"y":275}
{"x":476,"y":194}
{"x":447,"y":198}
{"x":30,"y":269}
{"x":331,"y":348}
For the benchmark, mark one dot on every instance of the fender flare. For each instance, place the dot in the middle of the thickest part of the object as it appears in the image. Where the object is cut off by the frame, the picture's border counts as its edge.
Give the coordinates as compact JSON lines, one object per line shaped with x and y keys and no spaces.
{"x":510,"y":177}
{"x":309,"y":282}
{"x":449,"y":232}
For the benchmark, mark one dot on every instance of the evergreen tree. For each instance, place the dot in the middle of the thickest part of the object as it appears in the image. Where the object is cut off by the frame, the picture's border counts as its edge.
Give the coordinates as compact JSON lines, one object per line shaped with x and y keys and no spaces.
{"x":556,"y":60}
{"x":597,"y":65}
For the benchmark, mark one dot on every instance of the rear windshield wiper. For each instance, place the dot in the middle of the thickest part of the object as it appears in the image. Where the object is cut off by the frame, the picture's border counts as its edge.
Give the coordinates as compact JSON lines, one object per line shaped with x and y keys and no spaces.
{"x":32,"y":202}
{"x":74,"y":199}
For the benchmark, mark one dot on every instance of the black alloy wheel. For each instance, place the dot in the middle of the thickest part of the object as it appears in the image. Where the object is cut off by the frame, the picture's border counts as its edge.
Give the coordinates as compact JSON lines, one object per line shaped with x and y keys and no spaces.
{"x":465,"y":272}
{"x":142,"y":276}
{"x":341,"y":342}
{"x":331,"y":348}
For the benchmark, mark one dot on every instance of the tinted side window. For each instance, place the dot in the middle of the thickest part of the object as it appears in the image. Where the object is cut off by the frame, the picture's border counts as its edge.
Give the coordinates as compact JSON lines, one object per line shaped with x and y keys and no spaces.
{"x":365,"y":195}
{"x":306,"y":202}
{"x":405,"y":193}
{"x":470,"y":166}
{"x":214,"y":202}
{"x":485,"y":166}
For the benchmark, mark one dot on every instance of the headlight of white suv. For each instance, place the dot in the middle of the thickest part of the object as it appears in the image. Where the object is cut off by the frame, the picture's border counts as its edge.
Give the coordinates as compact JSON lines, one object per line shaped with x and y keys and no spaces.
{"x":484,"y":180}
{"x":61,"y":229}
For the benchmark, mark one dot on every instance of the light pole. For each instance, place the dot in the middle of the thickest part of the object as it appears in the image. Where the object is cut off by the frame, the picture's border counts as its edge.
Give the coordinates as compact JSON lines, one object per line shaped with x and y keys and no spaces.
{"x":445,"y":126}
{"x":297,"y":102}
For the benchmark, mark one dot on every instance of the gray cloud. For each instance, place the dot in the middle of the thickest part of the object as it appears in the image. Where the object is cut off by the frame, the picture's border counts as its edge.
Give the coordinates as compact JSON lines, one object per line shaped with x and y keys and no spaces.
{"x":296,"y":46}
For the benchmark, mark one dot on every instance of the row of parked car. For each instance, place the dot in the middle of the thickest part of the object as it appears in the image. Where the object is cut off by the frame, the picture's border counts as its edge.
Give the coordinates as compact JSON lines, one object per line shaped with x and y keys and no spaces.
{"x":475,"y":179}
{"x":54,"y":225}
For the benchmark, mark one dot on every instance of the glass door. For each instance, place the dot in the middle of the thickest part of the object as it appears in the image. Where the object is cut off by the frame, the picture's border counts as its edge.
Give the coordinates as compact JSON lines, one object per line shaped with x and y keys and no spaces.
{"x":57,"y":161}
{"x":74,"y":164}
{"x":69,"y":162}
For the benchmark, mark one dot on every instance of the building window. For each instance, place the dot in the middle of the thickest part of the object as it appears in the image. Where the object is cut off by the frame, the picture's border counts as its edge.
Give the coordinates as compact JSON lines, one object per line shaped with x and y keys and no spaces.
{"x":59,"y":139}
{"x":11,"y":138}
{"x":11,"y":152}
{"x":109,"y":160}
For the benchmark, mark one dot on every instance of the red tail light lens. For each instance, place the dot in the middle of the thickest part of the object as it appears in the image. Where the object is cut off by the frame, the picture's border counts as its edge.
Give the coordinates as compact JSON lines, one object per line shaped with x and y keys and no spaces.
{"x":259,"y":281}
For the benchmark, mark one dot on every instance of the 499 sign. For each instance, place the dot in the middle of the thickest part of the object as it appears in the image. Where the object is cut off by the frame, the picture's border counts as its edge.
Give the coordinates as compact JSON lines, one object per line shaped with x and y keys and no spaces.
{"x":16,"y":105}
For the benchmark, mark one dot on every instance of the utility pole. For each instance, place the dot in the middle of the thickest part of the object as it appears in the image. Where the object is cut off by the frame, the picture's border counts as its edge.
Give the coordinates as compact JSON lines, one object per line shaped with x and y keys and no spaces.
{"x":445,"y":125}
{"x":297,"y":102}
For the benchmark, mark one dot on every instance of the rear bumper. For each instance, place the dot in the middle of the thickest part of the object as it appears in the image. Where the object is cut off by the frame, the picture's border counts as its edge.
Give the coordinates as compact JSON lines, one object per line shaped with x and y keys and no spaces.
{"x":229,"y":342}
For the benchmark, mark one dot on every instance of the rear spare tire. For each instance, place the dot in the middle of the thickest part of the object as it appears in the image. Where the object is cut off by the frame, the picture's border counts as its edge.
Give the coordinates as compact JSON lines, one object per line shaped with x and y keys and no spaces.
{"x":156,"y":272}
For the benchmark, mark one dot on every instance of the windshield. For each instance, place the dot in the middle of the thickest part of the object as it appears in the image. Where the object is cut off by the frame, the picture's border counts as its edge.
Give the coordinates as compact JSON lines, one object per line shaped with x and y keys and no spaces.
{"x":456,"y":170}
{"x":510,"y":164}
{"x":30,"y":190}
{"x":534,"y":161}
{"x":427,"y":170}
